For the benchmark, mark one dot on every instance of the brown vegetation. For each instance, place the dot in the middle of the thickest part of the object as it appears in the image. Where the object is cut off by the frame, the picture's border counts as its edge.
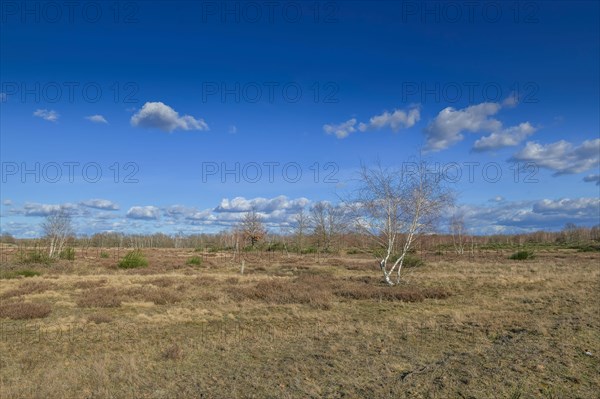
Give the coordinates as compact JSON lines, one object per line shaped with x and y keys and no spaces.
{"x":24,"y":310}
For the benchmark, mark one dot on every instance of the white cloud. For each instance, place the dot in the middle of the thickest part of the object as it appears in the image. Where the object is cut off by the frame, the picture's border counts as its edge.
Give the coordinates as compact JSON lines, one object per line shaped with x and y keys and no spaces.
{"x":523,"y":216}
{"x":96,"y":119}
{"x":7,"y":202}
{"x":143,"y":212}
{"x":395,"y":120}
{"x":100,"y":204}
{"x":562,"y":157}
{"x":280,"y":203}
{"x":233,"y":129}
{"x":36,"y":209}
{"x":592,"y":179}
{"x":342,"y":130}
{"x":511,"y":136}
{"x":160,"y":116}
{"x":447,"y":127}
{"x":48,"y":115}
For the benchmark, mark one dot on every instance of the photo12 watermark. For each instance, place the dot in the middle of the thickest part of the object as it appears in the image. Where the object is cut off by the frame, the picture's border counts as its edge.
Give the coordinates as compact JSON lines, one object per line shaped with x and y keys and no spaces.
{"x":269,"y":12}
{"x":469,"y":12}
{"x":70,"y":92}
{"x":69,"y":12}
{"x":471,"y":92}
{"x":68,"y":172}
{"x":270,"y":92}
{"x":269,"y":172}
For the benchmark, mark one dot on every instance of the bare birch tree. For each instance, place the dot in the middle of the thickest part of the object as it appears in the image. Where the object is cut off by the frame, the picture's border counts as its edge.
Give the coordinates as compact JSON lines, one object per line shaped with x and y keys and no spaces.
{"x":301,"y":223}
{"x":57,"y":228}
{"x":457,"y":229}
{"x":394,"y":207}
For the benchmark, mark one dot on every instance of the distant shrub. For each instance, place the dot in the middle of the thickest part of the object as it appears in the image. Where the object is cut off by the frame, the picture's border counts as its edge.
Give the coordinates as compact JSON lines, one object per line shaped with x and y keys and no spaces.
{"x":412,"y":261}
{"x":309,"y":250}
{"x":588,"y":248}
{"x":7,"y":275}
{"x":195,"y":261}
{"x":198,"y":249}
{"x":35,"y":256}
{"x":67,"y":254}
{"x":353,"y":251}
{"x":277,"y":246}
{"x":522,"y":255}
{"x":24,"y":310}
{"x":133,"y":260}
{"x":104,"y":254}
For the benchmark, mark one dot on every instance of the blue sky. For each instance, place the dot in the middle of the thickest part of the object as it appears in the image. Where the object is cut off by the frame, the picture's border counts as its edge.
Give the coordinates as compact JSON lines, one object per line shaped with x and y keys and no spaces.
{"x":161,"y":97}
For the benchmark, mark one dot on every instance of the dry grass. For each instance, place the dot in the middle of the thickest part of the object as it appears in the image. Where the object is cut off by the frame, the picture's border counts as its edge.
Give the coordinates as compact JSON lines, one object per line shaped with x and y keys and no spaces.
{"x":24,"y":310}
{"x":100,"y":298}
{"x":327,"y":327}
{"x":87,"y":284}
{"x":99,"y":318}
{"x":27,"y":288}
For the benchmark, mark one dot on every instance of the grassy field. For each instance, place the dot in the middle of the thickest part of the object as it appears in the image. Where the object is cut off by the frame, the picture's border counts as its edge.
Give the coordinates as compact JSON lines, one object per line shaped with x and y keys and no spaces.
{"x":190,"y":325}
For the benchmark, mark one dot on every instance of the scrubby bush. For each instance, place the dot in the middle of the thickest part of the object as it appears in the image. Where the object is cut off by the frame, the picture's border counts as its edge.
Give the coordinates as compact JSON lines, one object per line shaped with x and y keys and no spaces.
{"x":100,"y":298}
{"x":18,"y":273}
{"x":104,"y":254}
{"x":195,"y":261}
{"x":24,"y":310}
{"x":67,"y":254}
{"x":35,"y":256}
{"x":133,"y":260}
{"x":522,"y":255}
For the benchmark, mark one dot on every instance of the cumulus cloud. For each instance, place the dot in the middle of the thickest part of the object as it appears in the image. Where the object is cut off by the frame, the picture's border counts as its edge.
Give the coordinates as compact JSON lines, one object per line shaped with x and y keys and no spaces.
{"x":36,"y":209}
{"x":48,"y":115}
{"x":280,"y":203}
{"x":395,"y":120}
{"x":7,"y":202}
{"x":592,"y":179}
{"x":447,"y":127}
{"x":562,"y":157}
{"x":342,"y":130}
{"x":96,"y":119}
{"x":511,"y":136}
{"x":100,"y":204}
{"x":160,"y":116}
{"x":523,"y":216}
{"x":143,"y":212}
{"x":450,"y":124}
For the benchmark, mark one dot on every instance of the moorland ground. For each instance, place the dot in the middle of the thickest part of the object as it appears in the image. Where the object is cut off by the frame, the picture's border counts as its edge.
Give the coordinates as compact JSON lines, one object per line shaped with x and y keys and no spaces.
{"x":294,"y":326}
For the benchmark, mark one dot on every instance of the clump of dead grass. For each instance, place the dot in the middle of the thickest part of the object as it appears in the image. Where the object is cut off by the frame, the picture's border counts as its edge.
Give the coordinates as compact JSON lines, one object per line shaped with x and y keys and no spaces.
{"x":29,"y":287}
{"x":100,"y":298}
{"x":87,"y":284}
{"x":158,"y":296}
{"x":24,"y":310}
{"x":173,"y":352}
{"x":99,"y":318}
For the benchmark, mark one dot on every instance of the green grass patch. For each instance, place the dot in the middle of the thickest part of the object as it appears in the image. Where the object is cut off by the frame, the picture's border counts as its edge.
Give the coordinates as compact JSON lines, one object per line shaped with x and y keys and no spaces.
{"x":18,"y":273}
{"x":194,"y":261}
{"x":133,"y":259}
